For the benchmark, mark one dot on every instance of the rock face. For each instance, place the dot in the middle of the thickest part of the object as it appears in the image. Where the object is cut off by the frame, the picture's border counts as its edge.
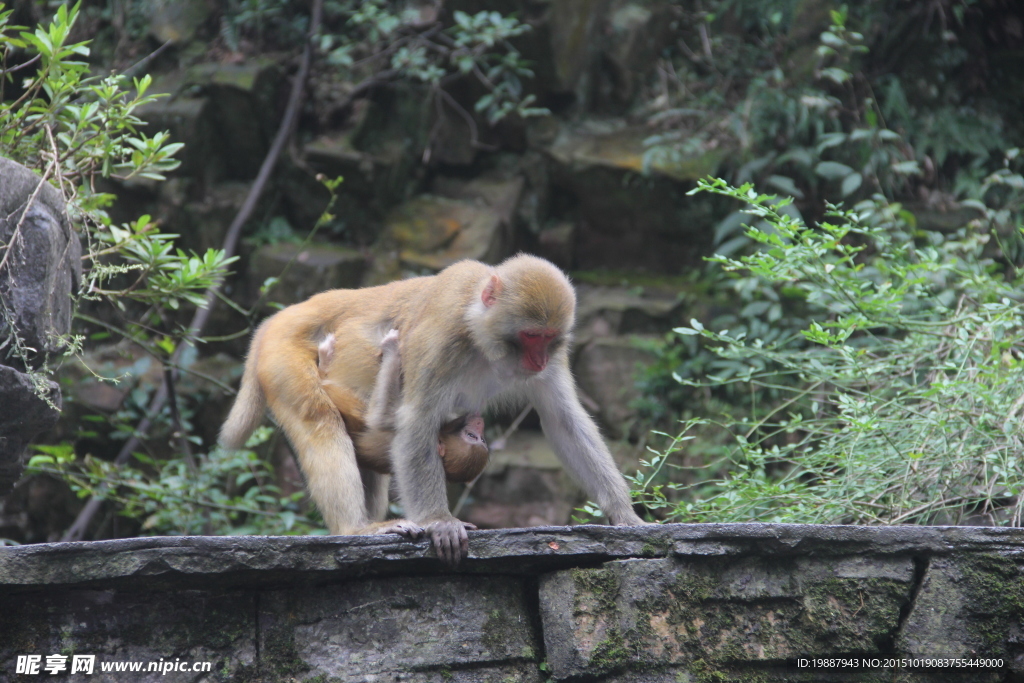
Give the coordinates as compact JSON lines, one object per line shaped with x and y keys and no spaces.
{"x":718,"y":602}
{"x":24,"y":415}
{"x":41,"y":269}
{"x":44,"y":265}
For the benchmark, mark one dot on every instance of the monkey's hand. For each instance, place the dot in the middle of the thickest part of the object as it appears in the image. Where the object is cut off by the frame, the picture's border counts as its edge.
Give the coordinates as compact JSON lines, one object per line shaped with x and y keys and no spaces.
{"x":448,"y":536}
{"x":402,"y":527}
{"x":390,"y":341}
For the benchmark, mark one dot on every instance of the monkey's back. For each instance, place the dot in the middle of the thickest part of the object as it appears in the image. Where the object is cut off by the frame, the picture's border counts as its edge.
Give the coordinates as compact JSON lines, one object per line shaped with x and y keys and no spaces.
{"x":286,"y":354}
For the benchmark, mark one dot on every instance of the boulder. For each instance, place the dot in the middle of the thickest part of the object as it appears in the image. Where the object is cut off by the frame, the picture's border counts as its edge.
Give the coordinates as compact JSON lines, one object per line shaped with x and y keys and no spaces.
{"x":41,"y":270}
{"x":606,"y":370}
{"x":604,"y":310}
{"x":574,"y":27}
{"x":429,"y":233}
{"x":557,"y":242}
{"x":176,"y":20}
{"x":523,"y":485}
{"x":188,"y":117}
{"x":374,"y":182}
{"x":635,"y":35}
{"x":43,"y":264}
{"x":38,"y":510}
{"x":501,"y":194}
{"x":624,"y":217}
{"x":245,"y":105}
{"x":203,"y":221}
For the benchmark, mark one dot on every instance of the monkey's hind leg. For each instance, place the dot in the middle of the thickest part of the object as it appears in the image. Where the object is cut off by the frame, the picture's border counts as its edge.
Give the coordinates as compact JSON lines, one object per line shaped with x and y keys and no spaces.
{"x":375,"y":488}
{"x":328,"y":460}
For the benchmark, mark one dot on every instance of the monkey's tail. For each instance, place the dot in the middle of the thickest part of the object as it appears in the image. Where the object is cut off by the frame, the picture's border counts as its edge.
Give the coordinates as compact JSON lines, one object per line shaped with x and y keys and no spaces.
{"x":249,"y":407}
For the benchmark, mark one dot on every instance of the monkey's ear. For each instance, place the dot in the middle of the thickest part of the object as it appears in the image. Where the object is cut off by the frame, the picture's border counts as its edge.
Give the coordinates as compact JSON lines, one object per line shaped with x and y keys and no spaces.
{"x":491,"y":291}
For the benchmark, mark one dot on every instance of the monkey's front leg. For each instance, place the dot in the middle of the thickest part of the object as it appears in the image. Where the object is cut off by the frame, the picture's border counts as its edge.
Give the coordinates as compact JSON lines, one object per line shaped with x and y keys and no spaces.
{"x":419,"y":474}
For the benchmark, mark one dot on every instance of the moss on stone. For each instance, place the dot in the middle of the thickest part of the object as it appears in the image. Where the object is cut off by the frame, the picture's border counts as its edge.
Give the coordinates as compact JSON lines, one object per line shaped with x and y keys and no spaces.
{"x":993,"y":592}
{"x":498,"y":629}
{"x":611,"y":653}
{"x":601,"y":584}
{"x":280,"y":656}
{"x":658,"y":548}
{"x":851,"y":615}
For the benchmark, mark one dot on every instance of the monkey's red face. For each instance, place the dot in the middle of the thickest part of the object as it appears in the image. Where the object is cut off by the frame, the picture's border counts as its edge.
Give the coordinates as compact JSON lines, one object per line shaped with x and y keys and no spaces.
{"x":534,"y":344}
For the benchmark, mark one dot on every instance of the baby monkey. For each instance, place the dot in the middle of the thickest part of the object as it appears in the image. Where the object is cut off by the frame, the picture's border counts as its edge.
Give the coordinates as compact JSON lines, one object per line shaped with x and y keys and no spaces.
{"x":460,"y":443}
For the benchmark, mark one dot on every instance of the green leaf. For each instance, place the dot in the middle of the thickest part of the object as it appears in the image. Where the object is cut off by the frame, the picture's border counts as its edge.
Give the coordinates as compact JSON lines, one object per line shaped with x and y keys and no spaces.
{"x":907,"y":168}
{"x":832,"y":170}
{"x":785,"y":184}
{"x":850,"y":184}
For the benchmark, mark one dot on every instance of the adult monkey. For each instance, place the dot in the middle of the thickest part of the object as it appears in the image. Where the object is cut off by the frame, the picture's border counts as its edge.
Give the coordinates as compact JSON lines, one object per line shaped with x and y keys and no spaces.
{"x":470,"y":336}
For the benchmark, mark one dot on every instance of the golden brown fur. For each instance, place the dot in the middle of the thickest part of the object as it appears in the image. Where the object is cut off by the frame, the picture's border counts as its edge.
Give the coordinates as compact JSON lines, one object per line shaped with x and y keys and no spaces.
{"x":463,"y":459}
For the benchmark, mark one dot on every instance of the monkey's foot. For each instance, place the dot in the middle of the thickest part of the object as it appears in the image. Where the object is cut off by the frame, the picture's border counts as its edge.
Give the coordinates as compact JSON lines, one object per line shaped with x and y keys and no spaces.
{"x":449,"y":539}
{"x":630,"y":519}
{"x":390,"y":340}
{"x":402,"y":527}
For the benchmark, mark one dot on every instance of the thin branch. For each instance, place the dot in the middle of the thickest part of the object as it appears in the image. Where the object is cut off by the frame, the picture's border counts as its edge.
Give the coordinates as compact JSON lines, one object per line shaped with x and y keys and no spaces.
{"x":474,"y":137}
{"x":179,"y":432}
{"x":20,"y":66}
{"x":147,"y":59}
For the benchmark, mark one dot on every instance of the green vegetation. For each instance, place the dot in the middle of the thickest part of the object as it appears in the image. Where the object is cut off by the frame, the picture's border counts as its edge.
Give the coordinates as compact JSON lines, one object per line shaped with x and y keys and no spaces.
{"x":376,"y":39}
{"x":82,"y":132}
{"x":76,"y":130}
{"x":900,"y":401}
{"x":868,"y":367}
{"x":223,"y":492}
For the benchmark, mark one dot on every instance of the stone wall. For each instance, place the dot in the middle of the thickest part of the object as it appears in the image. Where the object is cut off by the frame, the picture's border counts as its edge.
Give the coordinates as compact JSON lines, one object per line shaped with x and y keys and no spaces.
{"x":664,"y":603}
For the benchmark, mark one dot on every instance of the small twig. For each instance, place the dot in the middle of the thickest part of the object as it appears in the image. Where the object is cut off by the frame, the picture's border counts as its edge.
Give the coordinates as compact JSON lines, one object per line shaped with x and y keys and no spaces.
{"x":1013,"y":414}
{"x":502,"y":441}
{"x":705,"y":42}
{"x":474,"y":136}
{"x":20,"y":66}
{"x":179,"y":433}
{"x":393,"y":47}
{"x":147,"y":59}
{"x":942,"y":502}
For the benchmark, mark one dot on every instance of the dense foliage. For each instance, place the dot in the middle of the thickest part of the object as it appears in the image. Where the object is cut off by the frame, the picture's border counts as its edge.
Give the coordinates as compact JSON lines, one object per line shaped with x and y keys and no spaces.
{"x":864,"y":368}
{"x":901,"y":401}
{"x":76,"y":130}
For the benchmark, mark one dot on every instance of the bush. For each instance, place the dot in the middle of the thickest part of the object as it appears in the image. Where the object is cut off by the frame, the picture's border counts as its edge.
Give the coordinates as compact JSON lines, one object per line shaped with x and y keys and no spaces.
{"x":901,"y":402}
